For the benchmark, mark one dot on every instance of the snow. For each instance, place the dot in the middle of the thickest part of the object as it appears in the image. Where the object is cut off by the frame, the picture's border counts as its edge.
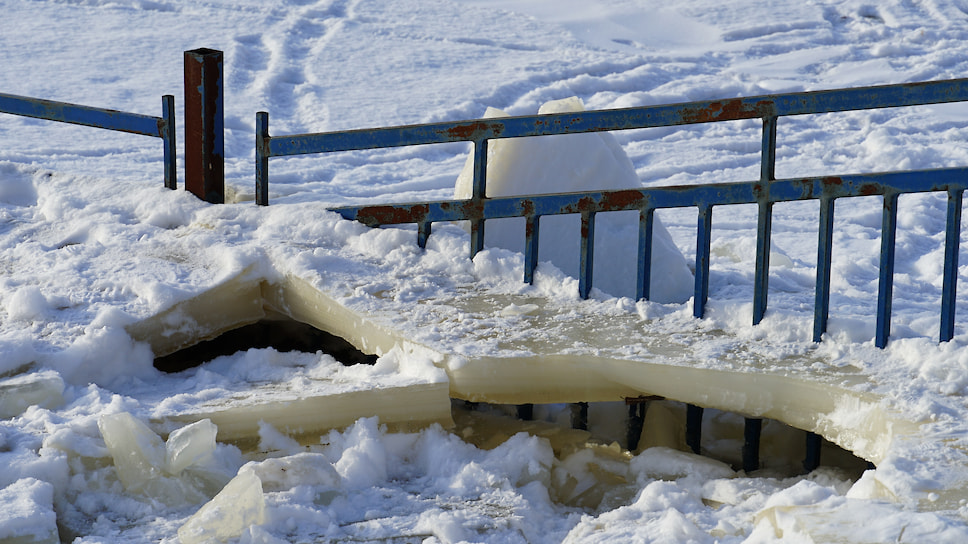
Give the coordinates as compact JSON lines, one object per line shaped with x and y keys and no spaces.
{"x":572,"y":163}
{"x":102,"y":269}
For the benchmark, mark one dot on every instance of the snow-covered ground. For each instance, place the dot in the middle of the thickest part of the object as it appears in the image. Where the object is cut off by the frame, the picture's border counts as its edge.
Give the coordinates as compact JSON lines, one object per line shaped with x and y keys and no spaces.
{"x":90,"y":243}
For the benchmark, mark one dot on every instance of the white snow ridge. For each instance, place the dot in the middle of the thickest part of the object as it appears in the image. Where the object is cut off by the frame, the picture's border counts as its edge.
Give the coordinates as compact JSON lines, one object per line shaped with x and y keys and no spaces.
{"x":573,"y":163}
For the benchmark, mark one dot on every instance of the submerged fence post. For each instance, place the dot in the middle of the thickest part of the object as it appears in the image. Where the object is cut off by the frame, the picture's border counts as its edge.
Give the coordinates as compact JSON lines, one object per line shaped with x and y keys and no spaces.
{"x":204,"y":125}
{"x":751,"y":444}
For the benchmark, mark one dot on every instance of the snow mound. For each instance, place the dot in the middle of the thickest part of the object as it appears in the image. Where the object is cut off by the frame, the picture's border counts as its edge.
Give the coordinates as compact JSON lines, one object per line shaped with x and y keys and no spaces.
{"x":572,"y":163}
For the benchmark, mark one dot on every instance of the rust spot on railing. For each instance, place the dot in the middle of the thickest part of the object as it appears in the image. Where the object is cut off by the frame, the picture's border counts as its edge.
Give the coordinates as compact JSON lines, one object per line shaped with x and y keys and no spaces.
{"x":470,"y":130}
{"x":727,"y":110}
{"x":761,"y":191}
{"x":585,"y":226}
{"x":529,"y":226}
{"x":831,"y":181}
{"x":527,"y":207}
{"x":584,"y":204}
{"x":622,"y":200}
{"x":392,"y":215}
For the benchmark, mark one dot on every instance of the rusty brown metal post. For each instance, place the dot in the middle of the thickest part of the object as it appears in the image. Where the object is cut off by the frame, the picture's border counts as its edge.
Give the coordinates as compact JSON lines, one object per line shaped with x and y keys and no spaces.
{"x":204,"y":125}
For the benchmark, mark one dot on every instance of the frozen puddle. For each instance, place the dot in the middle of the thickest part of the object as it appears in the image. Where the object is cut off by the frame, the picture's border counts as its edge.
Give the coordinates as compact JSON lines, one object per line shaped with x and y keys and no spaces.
{"x":446,"y":349}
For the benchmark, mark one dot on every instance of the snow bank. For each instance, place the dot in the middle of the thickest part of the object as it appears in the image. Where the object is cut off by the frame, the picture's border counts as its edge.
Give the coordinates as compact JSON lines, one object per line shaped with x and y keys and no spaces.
{"x":28,"y":513}
{"x":572,"y":163}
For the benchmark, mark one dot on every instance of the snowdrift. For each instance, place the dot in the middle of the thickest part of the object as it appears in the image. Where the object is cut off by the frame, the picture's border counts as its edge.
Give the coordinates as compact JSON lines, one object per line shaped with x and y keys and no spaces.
{"x":573,"y":163}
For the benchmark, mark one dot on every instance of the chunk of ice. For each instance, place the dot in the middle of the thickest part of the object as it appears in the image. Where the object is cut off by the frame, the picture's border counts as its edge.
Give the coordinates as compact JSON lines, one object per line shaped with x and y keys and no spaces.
{"x":182,"y":472}
{"x":239,"y":505}
{"x":190,"y":445}
{"x":139,"y":453}
{"x":284,"y":473}
{"x":44,"y":389}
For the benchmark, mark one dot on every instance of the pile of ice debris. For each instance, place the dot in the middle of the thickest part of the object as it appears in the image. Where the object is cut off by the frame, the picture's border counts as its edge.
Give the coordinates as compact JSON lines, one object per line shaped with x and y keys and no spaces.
{"x":487,"y":479}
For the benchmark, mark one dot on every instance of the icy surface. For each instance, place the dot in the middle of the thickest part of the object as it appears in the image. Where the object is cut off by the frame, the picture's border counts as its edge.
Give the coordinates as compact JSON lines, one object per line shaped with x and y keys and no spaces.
{"x":92,"y":248}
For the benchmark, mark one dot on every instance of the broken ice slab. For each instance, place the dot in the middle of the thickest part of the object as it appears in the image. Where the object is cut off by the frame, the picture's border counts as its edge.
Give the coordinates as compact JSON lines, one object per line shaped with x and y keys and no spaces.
{"x":44,"y":388}
{"x":304,"y":394}
{"x":142,"y":459}
{"x":191,"y":445}
{"x":236,"y":301}
{"x":239,"y":505}
{"x":315,"y":412}
{"x":139,"y":453}
{"x":563,"y":352}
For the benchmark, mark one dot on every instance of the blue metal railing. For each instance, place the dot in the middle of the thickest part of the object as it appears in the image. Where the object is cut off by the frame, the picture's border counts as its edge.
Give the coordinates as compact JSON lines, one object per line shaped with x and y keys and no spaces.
{"x":764,"y":192}
{"x":160,"y":127}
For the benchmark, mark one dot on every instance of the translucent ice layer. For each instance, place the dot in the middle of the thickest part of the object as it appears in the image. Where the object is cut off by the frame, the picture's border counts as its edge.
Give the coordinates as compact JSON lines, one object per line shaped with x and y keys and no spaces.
{"x":43,"y":389}
{"x":239,"y":505}
{"x":191,"y":445}
{"x":183,"y":471}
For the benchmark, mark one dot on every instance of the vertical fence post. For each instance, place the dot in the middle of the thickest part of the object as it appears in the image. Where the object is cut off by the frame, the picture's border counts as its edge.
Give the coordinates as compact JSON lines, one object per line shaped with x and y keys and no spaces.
{"x":949,"y":286}
{"x":751,"y":444}
{"x":643,"y":282}
{"x":821,"y":306}
{"x":204,"y":125}
{"x":811,"y":459}
{"x":694,"y":427}
{"x":532,"y":225}
{"x":262,"y":158}
{"x":168,"y":136}
{"x":478,"y":194}
{"x":885,"y":288}
{"x":702,"y":259}
{"x":586,"y":261}
{"x":764,"y":225}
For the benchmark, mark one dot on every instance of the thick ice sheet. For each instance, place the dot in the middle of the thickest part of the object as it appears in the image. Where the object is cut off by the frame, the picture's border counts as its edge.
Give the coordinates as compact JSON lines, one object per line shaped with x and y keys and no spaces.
{"x":551,"y":353}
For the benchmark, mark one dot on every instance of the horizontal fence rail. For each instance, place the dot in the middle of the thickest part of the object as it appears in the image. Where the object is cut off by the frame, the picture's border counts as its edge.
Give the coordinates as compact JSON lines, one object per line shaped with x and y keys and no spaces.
{"x":160,"y":127}
{"x":764,"y":192}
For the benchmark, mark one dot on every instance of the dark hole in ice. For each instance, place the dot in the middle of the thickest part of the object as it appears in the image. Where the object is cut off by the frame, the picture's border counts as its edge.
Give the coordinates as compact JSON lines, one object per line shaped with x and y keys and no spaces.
{"x":280,"y":334}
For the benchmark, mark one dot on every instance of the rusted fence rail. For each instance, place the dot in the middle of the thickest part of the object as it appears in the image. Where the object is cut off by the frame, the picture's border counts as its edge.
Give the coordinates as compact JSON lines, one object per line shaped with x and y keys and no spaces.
{"x":160,"y":127}
{"x":764,"y":192}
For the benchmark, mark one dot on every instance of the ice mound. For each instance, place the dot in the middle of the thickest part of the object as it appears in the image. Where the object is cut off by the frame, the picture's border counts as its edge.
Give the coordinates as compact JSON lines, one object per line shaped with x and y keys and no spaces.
{"x":809,"y":512}
{"x":238,"y":506}
{"x":283,"y":473}
{"x":570,"y":163}
{"x":185,"y":470}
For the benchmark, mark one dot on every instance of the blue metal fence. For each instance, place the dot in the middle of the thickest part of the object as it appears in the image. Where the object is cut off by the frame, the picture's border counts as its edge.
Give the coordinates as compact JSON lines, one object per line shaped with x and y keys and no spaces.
{"x":160,"y":127}
{"x":764,"y":192}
